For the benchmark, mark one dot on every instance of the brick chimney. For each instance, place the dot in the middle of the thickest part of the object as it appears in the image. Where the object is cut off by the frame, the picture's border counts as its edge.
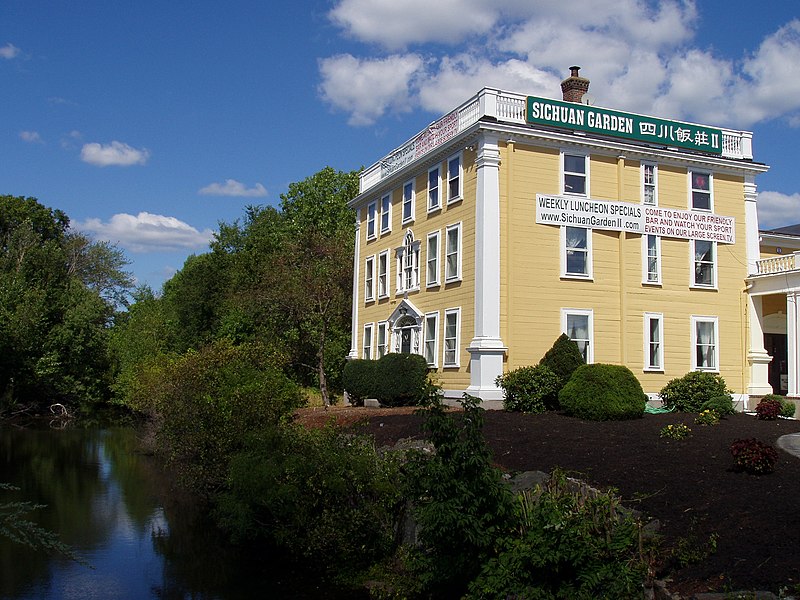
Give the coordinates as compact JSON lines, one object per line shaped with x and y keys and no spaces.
{"x":574,"y":87}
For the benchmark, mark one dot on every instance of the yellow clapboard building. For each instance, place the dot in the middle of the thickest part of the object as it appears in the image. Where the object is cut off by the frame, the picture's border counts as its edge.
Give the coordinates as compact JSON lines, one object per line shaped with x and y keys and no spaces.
{"x":515,"y":218}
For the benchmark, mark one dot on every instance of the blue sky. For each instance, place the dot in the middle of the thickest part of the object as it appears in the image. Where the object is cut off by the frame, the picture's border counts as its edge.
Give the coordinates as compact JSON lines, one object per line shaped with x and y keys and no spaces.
{"x":149,"y":122}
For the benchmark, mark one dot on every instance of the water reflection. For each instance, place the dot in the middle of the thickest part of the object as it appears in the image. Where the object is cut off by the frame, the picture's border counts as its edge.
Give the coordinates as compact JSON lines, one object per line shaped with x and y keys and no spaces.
{"x":115,"y":507}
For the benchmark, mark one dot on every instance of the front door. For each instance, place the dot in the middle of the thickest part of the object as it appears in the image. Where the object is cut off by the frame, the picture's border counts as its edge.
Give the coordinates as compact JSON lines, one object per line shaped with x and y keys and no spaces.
{"x":776,"y":344}
{"x":405,"y":340}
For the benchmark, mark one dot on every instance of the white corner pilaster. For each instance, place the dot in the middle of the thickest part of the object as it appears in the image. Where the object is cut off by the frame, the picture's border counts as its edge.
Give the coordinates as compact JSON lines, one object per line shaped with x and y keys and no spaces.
{"x":486,"y":348}
{"x":793,"y":341}
{"x":356,"y":278}
{"x":757,"y":357}
{"x":751,"y":224}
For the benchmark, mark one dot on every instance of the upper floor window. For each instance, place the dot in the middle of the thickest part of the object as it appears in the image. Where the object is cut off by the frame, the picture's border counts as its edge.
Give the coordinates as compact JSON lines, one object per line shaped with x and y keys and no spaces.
{"x":704,"y":258}
{"x":408,"y":264}
{"x":701,"y":190}
{"x":434,"y":188}
{"x":705,"y":340}
{"x":371,"y":208}
{"x":386,"y":213}
{"x":649,"y":183}
{"x":576,"y":174}
{"x":576,"y":255}
{"x":653,"y":345}
{"x":408,"y":202}
{"x":383,"y":274}
{"x":432,"y":260}
{"x":651,"y":250}
{"x":452,"y":257}
{"x":369,"y":279}
{"x":454,"y":178}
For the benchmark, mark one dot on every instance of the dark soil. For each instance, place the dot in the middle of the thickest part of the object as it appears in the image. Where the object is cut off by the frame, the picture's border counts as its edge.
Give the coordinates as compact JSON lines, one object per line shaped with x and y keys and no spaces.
{"x":690,"y":486}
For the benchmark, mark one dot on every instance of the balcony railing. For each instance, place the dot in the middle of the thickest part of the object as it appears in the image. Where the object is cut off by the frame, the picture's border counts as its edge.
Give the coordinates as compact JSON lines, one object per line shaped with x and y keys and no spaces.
{"x":505,"y":107}
{"x":779,"y":264}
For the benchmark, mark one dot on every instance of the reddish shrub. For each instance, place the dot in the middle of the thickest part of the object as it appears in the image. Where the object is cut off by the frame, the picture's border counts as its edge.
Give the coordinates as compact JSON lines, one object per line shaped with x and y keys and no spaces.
{"x":754,"y":456}
{"x":768,"y":409}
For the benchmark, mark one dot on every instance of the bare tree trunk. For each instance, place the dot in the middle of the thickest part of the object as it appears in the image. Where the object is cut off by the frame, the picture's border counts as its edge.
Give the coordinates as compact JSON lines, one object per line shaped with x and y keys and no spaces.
{"x":323,"y":382}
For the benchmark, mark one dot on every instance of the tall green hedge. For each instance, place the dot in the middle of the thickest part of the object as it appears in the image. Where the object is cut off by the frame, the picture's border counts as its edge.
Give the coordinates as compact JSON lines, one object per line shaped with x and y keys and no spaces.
{"x":396,"y":379}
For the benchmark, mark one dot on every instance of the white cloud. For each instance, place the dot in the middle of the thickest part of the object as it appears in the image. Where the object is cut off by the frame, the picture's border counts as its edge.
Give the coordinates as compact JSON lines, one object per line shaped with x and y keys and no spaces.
{"x":113,"y":154}
{"x":9,"y":51}
{"x":368,"y":88}
{"x":147,"y":232}
{"x":231,"y":187}
{"x":777,"y":210}
{"x":32,"y":137}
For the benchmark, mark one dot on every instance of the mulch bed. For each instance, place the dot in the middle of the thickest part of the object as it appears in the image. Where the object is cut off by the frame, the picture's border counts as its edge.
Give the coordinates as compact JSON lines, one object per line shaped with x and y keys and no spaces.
{"x":690,"y":486}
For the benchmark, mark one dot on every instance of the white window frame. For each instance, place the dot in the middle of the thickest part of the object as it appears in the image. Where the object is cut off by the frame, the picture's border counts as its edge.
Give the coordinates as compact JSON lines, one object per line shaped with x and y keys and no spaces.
{"x":449,"y":276}
{"x":385,"y":277}
{"x":382,"y":349}
{"x":432,"y":263}
{"x":402,"y":252}
{"x":426,"y":340}
{"x":694,"y":264}
{"x":366,"y":346}
{"x":371,"y":230}
{"x":696,"y":320}
{"x":649,"y":317}
{"x":564,"y":173}
{"x":386,"y":213}
{"x":435,"y":192}
{"x":369,"y":279}
{"x":581,"y":312}
{"x":409,"y":200}
{"x":456,"y":313}
{"x":458,"y":178}
{"x":649,"y":185}
{"x":709,"y":191}
{"x":589,"y":274}
{"x":646,"y":259}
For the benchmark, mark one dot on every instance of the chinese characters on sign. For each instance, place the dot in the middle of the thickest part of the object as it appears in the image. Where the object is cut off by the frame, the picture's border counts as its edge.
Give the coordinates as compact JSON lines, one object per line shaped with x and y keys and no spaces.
{"x":636,"y":218}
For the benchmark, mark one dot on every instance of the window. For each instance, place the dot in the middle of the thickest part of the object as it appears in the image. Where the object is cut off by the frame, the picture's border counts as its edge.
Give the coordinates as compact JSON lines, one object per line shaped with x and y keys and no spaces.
{"x":578,"y":325}
{"x":575,"y":174}
{"x":705,"y":341}
{"x":653,"y":342}
{"x":452,"y":326}
{"x":649,"y":184}
{"x":454,"y":178}
{"x":651,"y":250}
{"x":576,"y":258}
{"x":704,"y":273}
{"x":383,"y":274}
{"x":408,"y":264}
{"x":408,"y":202}
{"x":367,"y":353}
{"x":386,"y":213}
{"x":431,"y":343}
{"x":382,"y":347}
{"x":701,"y":190}
{"x":432,"y":260}
{"x":434,"y":186}
{"x":369,"y":278}
{"x":371,"y":220}
{"x":452,"y":256}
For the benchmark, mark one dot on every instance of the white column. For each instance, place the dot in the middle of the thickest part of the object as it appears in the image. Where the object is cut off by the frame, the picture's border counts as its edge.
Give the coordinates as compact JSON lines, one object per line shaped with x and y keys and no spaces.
{"x":356,"y":279}
{"x":751,"y":224}
{"x":486,"y":348}
{"x":793,"y":335}
{"x":757,"y":356}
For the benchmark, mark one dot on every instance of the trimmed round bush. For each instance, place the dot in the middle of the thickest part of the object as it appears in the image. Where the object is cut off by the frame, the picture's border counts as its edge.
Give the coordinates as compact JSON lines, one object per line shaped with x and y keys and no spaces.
{"x":529,"y":389}
{"x":602,"y":392}
{"x":563,"y":358}
{"x":359,"y":378}
{"x":768,"y":409}
{"x":401,"y":379}
{"x":787,"y":406}
{"x":722,"y":405}
{"x":690,"y":392}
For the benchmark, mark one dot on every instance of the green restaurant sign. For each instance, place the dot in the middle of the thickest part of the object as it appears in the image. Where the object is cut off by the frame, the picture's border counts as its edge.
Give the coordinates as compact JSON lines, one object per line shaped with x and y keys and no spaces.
{"x":582,"y":117}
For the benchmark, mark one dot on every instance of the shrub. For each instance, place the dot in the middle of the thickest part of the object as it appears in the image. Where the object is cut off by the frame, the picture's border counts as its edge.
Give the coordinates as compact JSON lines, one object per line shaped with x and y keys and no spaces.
{"x":690,"y":392}
{"x":529,"y":389}
{"x":563,"y":358}
{"x":768,"y":409}
{"x":754,"y":456}
{"x":707,"y":417}
{"x":360,"y":378}
{"x":678,"y":431}
{"x":787,"y":406}
{"x":402,"y":379}
{"x":601,"y":392}
{"x":722,"y":405}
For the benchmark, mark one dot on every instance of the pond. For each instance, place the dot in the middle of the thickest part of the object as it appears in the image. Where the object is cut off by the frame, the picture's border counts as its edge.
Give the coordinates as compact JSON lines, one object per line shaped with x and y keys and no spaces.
{"x":141,"y":537}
